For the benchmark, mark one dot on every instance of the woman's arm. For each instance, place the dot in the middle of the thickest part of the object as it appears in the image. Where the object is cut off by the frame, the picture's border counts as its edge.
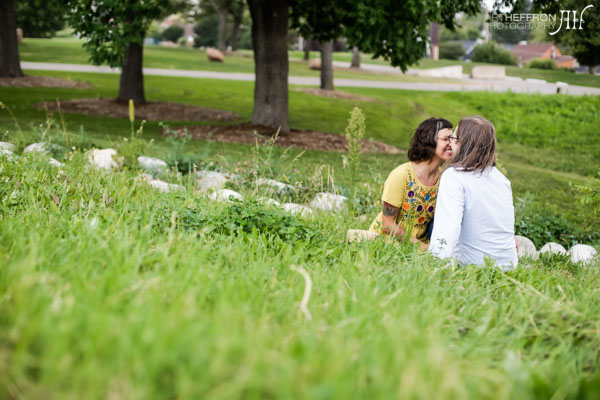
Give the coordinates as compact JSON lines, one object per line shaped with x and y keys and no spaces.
{"x":389,"y":225}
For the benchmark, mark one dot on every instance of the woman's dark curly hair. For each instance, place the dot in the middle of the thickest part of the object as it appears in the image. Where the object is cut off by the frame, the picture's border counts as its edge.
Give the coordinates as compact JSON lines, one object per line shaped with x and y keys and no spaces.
{"x":424,"y":141}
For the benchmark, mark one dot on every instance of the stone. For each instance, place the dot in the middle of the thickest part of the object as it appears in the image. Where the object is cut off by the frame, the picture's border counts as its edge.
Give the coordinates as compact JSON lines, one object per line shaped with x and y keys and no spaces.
{"x":55,"y":163}
{"x":452,"y":71}
{"x":269,"y":202}
{"x":106,"y":159}
{"x":214,"y":55}
{"x":328,"y":202}
{"x":488,"y":72}
{"x":582,"y":253}
{"x":38,"y":148}
{"x":358,"y":235}
{"x":314,"y":63}
{"x":297,"y":209}
{"x":363,"y":218}
{"x":165,"y":187}
{"x":225,"y":195}
{"x":8,"y":146}
{"x":7,"y":154}
{"x":553,"y":248}
{"x":146,"y":177}
{"x":279,"y":186}
{"x":207,"y":180}
{"x":526,"y":247}
{"x":152,"y":165}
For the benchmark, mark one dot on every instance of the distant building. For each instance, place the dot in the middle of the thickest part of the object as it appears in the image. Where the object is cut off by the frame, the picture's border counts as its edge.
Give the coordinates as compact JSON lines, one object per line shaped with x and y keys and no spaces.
{"x":525,"y":52}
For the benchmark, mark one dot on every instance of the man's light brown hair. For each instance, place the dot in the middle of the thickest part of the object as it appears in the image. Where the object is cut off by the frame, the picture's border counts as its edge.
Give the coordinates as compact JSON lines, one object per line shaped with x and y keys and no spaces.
{"x":477,"y":138}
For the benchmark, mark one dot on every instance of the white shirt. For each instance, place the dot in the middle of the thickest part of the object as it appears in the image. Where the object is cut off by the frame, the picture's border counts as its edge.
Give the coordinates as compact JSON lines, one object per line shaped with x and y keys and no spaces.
{"x":474,"y":218}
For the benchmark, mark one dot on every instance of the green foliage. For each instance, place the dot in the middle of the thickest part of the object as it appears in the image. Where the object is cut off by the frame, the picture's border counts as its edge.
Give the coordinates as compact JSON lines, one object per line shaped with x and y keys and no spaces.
{"x":173,"y":33}
{"x":111,"y":25}
{"x":451,"y":51}
{"x":40,"y":18}
{"x":395,"y":31}
{"x":206,"y":31}
{"x":590,"y":196}
{"x":355,"y":132}
{"x":491,"y":53}
{"x":240,"y":218}
{"x":541,"y":63}
{"x":541,"y":226}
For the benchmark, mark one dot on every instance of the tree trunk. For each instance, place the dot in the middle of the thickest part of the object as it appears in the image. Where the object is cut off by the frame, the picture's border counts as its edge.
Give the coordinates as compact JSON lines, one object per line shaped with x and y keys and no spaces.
{"x":269,"y":41}
{"x":355,"y":58}
{"x":307,"y":47}
{"x":10,"y":64}
{"x":592,"y":69}
{"x":237,"y":22}
{"x":132,"y":78}
{"x":327,"y":65}
{"x":222,"y":29}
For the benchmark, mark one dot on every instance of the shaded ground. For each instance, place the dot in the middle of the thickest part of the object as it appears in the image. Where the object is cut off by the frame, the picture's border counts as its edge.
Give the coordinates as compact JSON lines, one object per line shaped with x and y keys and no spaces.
{"x":150,"y":111}
{"x":336,"y":94}
{"x":303,"y":139}
{"x":42,"y":81}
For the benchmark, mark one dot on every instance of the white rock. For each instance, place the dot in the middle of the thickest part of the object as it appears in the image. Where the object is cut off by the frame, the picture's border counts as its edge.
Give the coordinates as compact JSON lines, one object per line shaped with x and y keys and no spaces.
{"x":225,"y":195}
{"x":106,"y":159}
{"x":7,"y":146}
{"x":152,"y":165}
{"x":279,"y":186}
{"x":7,"y":154}
{"x":37,"y":148}
{"x":357,"y":235}
{"x":328,"y":201}
{"x":297,"y":209}
{"x":582,"y":253}
{"x":526,"y":247}
{"x":553,"y":248}
{"x":165,"y":187}
{"x":269,"y":202}
{"x":363,"y":218}
{"x":207,"y":180}
{"x":146,"y":178}
{"x":55,"y":163}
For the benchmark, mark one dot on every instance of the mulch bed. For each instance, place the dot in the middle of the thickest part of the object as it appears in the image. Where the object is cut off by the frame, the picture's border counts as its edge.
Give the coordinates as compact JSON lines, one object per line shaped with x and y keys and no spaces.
{"x":303,"y":139}
{"x":43,"y":81}
{"x":337,"y":94}
{"x":151,"y":111}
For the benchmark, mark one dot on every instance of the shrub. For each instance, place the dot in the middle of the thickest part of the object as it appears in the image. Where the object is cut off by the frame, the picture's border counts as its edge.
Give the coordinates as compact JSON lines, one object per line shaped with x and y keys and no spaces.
{"x":541,"y":63}
{"x":355,"y":131}
{"x":451,"y":51}
{"x":173,"y":33}
{"x":491,"y":53}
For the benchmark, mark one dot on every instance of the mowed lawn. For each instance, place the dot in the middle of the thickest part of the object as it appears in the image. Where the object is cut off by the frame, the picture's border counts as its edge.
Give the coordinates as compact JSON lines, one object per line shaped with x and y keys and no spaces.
{"x":70,"y":50}
{"x":110,"y":289}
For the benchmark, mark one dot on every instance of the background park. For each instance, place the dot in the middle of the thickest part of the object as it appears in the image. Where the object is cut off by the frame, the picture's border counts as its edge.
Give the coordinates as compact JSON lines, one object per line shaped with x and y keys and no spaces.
{"x":213,"y":268}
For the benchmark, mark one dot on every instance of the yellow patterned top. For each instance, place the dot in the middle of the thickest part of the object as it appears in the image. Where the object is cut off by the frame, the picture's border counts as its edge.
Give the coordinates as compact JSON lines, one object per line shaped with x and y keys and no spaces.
{"x":416,"y":201}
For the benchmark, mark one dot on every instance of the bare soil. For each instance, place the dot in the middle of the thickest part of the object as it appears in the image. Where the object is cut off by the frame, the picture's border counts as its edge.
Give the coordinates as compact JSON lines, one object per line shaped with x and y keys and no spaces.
{"x":337,"y":94}
{"x":302,"y":139}
{"x":151,"y":111}
{"x":43,"y":81}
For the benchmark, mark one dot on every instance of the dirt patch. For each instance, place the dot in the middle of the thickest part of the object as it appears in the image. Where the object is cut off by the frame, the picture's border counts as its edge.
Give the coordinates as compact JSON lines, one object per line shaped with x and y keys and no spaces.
{"x":303,"y":139}
{"x":337,"y":94}
{"x":43,"y":81}
{"x":151,"y":111}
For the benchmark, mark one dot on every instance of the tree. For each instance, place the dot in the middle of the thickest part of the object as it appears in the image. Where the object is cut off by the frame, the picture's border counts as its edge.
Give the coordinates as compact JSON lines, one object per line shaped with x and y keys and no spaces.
{"x":395,"y":31}
{"x":327,"y":65}
{"x":269,"y":41}
{"x":173,"y":33}
{"x":10,"y":64}
{"x":237,"y":12}
{"x":115,"y":31}
{"x":41,"y":18}
{"x":355,"y":58}
{"x":584,"y":42}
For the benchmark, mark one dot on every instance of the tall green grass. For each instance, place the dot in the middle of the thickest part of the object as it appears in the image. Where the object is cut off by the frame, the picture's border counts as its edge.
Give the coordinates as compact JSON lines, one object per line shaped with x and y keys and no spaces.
{"x":110,"y":289}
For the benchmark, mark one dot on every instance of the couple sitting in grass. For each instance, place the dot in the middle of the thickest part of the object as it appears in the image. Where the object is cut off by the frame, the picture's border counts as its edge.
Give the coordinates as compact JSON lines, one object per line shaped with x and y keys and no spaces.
{"x":452,"y":176}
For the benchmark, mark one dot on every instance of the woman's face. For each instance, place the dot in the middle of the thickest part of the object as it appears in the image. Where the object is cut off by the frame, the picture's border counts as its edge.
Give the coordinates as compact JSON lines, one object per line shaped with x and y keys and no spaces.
{"x":444,"y":149}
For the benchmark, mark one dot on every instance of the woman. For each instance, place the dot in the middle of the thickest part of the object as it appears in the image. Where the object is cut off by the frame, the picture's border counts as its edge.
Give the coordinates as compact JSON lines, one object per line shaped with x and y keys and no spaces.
{"x":410,"y":191}
{"x":475,"y":217}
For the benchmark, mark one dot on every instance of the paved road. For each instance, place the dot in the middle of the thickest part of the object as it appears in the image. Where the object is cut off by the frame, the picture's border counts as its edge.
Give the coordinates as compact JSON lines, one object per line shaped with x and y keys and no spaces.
{"x":514,"y":84}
